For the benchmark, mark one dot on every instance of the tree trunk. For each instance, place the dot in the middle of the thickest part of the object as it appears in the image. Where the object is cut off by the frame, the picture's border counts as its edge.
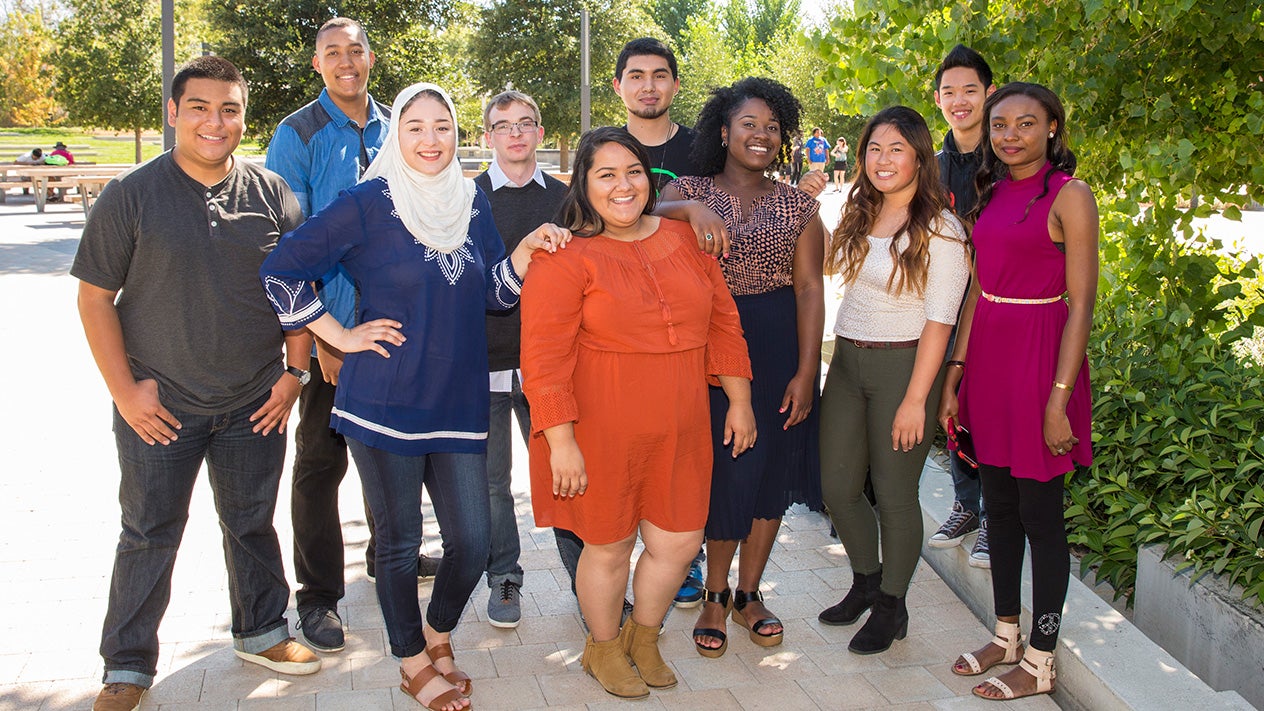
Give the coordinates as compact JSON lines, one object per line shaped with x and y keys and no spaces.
{"x":136,"y":133}
{"x":563,"y":154}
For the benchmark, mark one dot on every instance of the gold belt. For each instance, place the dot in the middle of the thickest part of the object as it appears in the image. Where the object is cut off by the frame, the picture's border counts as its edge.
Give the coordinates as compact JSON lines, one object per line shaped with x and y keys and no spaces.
{"x":1006,"y":300}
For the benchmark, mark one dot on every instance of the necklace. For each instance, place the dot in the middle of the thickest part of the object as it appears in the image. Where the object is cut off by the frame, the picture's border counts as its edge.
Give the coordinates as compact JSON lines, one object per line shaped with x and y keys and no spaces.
{"x":662,"y":175}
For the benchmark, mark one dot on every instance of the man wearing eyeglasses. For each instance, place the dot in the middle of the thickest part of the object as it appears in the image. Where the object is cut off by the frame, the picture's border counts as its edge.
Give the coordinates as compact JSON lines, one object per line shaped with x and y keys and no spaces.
{"x":522,"y":198}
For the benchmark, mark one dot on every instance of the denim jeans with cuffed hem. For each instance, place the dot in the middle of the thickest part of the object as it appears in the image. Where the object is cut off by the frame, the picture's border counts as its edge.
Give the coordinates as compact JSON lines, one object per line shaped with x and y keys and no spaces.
{"x":457,"y":484}
{"x":244,"y":470}
{"x":502,"y":562}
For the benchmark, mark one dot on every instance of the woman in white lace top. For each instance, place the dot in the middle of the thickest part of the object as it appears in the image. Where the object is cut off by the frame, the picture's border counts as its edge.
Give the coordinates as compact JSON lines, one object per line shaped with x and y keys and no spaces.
{"x":903,"y":256}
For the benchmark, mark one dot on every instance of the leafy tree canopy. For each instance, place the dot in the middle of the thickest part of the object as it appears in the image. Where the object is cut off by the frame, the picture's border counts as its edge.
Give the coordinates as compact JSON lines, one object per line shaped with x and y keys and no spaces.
{"x":534,"y":45}
{"x":272,"y":43}
{"x":1159,"y":101}
{"x":26,"y":54}
{"x":673,"y":15}
{"x":109,"y":72}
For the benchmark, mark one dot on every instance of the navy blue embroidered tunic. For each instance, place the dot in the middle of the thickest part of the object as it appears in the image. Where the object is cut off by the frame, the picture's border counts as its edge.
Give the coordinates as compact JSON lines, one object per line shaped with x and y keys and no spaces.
{"x":431,"y":394}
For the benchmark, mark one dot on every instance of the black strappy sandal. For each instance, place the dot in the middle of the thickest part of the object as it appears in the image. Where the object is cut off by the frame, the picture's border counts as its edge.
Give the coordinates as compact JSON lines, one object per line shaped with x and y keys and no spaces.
{"x":740,"y":600}
{"x":723,"y":599}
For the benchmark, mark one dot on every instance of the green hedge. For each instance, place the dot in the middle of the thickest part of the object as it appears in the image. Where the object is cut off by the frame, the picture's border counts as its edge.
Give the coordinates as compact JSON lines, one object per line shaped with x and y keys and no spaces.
{"x":1178,"y":414}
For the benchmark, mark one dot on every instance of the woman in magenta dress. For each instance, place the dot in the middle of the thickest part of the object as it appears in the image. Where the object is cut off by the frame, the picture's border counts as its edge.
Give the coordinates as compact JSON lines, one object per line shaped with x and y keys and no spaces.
{"x":1020,"y":357}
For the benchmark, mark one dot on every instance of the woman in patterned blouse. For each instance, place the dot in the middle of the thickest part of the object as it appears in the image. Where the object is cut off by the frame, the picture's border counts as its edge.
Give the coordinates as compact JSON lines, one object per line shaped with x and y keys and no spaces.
{"x":774,"y":269}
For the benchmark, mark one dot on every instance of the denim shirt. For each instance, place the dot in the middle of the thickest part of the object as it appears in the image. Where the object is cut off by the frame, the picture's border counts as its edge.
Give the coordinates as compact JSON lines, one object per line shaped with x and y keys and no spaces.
{"x":320,"y":152}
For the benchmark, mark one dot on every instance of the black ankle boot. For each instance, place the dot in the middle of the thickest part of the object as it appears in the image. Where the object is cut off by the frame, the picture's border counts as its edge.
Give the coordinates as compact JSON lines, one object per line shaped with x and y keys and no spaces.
{"x":888,"y":621}
{"x":864,"y":588}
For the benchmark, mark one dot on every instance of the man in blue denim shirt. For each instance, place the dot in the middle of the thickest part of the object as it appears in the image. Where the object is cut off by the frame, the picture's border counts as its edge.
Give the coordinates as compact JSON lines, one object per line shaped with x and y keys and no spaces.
{"x":320,"y":150}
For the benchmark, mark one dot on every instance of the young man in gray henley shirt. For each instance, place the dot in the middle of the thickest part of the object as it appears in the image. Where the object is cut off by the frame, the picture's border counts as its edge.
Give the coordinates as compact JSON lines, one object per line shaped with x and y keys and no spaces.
{"x":191,"y":352}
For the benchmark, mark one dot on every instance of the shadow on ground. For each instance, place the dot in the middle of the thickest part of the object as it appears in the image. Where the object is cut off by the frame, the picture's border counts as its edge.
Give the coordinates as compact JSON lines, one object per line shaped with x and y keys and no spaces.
{"x":44,"y":258}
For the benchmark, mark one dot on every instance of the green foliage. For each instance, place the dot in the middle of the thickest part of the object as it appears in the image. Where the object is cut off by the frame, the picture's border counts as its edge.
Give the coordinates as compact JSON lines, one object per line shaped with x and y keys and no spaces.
{"x":1163,"y":104}
{"x":673,"y":15}
{"x":436,"y":54}
{"x":723,"y":46}
{"x":109,"y":71}
{"x":1178,"y":440}
{"x":272,"y":42}
{"x":533,"y":45}
{"x":26,"y":49}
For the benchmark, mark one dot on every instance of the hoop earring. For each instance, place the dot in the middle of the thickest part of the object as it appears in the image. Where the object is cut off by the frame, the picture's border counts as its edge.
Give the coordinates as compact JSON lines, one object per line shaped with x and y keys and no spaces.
{"x":725,"y":144}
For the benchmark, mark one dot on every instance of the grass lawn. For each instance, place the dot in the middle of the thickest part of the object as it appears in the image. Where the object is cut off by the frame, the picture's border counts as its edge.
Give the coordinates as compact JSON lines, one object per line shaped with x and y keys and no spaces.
{"x":90,"y":145}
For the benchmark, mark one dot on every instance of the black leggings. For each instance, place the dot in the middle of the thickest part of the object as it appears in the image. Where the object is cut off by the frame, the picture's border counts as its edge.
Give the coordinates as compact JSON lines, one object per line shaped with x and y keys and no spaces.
{"x":1021,"y":511}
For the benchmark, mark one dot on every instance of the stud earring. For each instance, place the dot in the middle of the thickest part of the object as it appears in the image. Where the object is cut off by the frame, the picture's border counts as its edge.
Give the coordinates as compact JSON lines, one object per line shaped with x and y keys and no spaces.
{"x":1051,"y":134}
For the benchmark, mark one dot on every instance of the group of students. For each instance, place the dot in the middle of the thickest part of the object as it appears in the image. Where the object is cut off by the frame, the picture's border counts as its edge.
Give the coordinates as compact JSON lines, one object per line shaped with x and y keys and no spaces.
{"x":663,"y":365}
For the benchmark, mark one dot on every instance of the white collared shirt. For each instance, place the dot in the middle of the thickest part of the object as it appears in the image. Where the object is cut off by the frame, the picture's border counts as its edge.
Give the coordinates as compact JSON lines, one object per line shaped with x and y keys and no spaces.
{"x":500,"y":180}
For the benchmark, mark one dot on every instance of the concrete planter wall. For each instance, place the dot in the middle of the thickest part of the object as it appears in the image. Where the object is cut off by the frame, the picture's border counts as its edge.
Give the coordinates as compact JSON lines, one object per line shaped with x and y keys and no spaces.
{"x":1203,"y":623}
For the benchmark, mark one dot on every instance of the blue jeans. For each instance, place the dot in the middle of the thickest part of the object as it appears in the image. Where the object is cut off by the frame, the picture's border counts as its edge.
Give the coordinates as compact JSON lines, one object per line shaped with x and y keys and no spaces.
{"x":502,"y":562}
{"x":457,"y":484}
{"x":966,"y":489}
{"x":154,"y":492}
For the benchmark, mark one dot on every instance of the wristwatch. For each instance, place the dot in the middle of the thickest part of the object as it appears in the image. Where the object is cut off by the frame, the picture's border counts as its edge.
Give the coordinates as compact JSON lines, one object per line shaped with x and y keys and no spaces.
{"x":303,"y":375}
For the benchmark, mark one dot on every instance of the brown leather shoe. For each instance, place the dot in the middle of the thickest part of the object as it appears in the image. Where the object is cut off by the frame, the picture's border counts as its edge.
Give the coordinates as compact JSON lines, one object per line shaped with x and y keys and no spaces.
{"x":119,"y":696}
{"x":288,"y":657}
{"x":608,"y":664}
{"x":641,"y":644}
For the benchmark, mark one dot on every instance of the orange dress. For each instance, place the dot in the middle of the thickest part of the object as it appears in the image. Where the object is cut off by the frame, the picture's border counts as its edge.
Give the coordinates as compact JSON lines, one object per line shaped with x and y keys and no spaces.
{"x":621,"y":339}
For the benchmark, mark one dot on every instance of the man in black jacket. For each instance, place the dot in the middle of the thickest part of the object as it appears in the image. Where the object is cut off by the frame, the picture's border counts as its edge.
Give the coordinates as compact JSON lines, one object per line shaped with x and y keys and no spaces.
{"x":962,"y":83}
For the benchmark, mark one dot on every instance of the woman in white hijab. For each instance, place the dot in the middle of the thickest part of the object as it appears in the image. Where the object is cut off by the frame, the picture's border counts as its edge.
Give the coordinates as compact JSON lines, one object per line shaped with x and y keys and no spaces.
{"x":417,"y":238}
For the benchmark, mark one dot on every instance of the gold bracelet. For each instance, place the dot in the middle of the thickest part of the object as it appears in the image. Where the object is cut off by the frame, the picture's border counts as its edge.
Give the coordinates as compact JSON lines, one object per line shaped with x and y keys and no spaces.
{"x":1062,"y":386}
{"x":959,"y":363}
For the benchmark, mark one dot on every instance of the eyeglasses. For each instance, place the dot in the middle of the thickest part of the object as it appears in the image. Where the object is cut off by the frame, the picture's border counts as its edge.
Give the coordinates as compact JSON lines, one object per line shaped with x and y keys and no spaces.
{"x":505,"y":128}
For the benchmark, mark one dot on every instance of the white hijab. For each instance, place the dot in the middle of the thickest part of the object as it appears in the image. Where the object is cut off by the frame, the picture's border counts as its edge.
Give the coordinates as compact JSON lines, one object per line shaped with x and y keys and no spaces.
{"x":435,"y":209}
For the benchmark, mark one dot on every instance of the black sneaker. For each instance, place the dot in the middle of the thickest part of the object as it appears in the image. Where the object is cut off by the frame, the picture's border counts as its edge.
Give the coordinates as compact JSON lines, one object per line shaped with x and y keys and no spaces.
{"x":960,"y":523}
{"x":979,"y":555}
{"x":323,"y":629}
{"x":426,"y":567}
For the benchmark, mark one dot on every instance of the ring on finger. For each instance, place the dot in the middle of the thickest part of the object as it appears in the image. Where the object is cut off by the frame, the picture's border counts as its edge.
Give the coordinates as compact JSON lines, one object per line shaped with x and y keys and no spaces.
{"x":709,"y":236}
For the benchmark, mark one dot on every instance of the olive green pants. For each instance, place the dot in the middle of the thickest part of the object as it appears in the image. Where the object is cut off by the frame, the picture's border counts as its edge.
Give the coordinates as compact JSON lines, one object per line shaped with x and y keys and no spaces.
{"x":862,"y":393}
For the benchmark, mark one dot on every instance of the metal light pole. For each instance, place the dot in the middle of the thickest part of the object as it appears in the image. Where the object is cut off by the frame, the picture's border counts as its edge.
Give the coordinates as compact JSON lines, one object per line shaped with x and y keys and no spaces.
{"x":168,"y":68}
{"x":585,"y":80}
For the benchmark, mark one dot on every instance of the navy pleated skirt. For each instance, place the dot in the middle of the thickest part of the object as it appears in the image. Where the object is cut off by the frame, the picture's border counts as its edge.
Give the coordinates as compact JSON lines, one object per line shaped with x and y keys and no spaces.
{"x":783,"y":468}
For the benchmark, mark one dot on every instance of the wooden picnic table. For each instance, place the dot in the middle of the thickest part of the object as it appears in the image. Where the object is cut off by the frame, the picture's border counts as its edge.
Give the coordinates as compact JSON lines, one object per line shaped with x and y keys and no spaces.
{"x":44,"y":177}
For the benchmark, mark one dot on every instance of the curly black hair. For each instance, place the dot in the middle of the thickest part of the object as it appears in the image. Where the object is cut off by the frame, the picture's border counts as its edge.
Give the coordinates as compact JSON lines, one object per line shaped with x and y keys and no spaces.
{"x":709,"y":153}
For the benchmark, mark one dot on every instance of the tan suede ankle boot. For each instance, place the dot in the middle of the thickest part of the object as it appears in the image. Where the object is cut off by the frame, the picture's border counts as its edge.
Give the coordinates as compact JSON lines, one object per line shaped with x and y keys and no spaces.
{"x":641,"y":644}
{"x":608,"y":664}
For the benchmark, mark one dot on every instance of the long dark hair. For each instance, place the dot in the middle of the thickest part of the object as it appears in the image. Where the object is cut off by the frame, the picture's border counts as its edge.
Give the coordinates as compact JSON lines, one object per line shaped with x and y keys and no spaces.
{"x":709,"y":152}
{"x":849,"y":245}
{"x":576,"y":212}
{"x":1057,"y":151}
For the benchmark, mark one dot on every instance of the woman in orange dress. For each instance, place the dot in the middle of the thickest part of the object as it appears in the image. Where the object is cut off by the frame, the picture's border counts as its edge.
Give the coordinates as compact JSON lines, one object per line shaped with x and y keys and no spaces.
{"x":620,"y":333}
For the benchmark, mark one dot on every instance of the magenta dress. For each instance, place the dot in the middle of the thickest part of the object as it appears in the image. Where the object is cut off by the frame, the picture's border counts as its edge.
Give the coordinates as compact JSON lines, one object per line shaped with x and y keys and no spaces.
{"x":1013,"y":351}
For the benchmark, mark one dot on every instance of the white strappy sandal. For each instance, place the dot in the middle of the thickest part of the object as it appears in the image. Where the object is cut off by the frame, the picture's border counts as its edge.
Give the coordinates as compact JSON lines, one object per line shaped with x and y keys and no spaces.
{"x":1008,"y":638}
{"x":1036,"y":663}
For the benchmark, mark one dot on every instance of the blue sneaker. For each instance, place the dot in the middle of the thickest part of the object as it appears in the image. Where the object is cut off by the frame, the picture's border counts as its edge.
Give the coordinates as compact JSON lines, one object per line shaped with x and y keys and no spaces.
{"x":693,"y":589}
